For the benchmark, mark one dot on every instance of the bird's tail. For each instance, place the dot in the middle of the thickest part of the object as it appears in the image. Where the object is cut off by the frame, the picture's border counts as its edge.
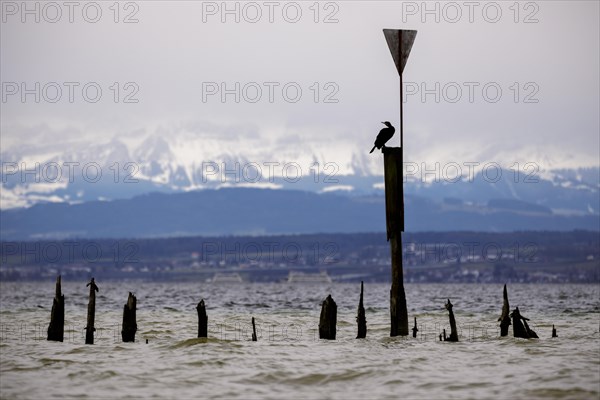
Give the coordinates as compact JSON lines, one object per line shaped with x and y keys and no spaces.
{"x":372,"y":150}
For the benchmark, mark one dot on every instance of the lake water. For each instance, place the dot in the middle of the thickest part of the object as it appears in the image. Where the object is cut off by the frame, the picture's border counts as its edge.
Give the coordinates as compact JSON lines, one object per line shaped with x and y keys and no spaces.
{"x":289,"y":361}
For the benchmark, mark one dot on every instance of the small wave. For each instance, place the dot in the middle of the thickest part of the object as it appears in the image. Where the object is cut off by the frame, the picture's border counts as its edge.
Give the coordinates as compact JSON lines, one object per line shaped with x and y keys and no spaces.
{"x":189,"y":342}
{"x":199,"y":341}
{"x":77,"y":350}
{"x":50,"y":361}
{"x":555,"y":393}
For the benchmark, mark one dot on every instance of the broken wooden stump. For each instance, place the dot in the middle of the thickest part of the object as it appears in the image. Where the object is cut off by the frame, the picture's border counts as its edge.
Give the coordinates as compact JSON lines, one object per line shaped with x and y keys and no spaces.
{"x":129,"y":320}
{"x":360,"y":318}
{"x":57,"y":316}
{"x":453,"y":331}
{"x":328,"y":319}
{"x":530,"y":332}
{"x":504,"y":317}
{"x":520,"y":327}
{"x":91,"y":314}
{"x":415,"y":329}
{"x":202,"y":320}
{"x":554,"y":331}
{"x":444,"y":332}
{"x":254,"y":339}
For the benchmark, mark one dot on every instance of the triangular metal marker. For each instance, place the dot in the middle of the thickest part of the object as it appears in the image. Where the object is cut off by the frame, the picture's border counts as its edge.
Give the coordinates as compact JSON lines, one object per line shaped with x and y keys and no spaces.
{"x":400,"y":42}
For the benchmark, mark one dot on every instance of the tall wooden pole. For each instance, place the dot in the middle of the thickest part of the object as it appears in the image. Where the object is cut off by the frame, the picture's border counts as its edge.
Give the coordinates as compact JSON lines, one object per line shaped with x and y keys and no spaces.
{"x":400,"y":43}
{"x":392,"y":157}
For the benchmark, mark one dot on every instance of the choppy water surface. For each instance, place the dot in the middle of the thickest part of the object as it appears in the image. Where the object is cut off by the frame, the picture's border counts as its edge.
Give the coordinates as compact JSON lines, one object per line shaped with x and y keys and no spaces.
{"x":289,"y":361}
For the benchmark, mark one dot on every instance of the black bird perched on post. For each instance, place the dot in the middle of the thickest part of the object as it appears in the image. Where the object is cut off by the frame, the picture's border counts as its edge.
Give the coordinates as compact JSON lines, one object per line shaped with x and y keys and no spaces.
{"x":384,"y":135}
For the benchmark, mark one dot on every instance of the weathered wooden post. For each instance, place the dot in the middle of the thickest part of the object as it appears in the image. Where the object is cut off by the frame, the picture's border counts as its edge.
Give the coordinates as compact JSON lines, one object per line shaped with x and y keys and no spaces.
{"x":530,"y":332}
{"x":504,"y":317}
{"x":129,"y":319}
{"x":254,"y":339}
{"x":554,"y":331}
{"x":91,"y":314}
{"x":328,"y":319}
{"x":400,"y":43}
{"x":453,"y":331}
{"x":57,"y":316}
{"x":202,"y":320}
{"x":520,"y":327}
{"x":415,"y":329}
{"x":394,"y":205}
{"x":361,"y":318}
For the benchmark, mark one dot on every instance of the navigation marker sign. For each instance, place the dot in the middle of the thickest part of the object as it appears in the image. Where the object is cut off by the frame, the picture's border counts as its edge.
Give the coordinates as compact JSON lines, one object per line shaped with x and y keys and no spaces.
{"x":400,"y":42}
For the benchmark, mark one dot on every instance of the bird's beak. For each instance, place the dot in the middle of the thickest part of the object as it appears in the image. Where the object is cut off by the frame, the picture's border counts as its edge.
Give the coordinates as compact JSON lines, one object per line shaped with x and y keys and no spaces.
{"x":383,"y":122}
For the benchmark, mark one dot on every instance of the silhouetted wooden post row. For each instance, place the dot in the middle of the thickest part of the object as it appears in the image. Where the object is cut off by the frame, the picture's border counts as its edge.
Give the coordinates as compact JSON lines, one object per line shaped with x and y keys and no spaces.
{"x":202,"y":320}
{"x":328,"y":319}
{"x":91,"y":314}
{"x":400,"y":43}
{"x":57,"y":316}
{"x":129,"y":320}
{"x":360,"y":317}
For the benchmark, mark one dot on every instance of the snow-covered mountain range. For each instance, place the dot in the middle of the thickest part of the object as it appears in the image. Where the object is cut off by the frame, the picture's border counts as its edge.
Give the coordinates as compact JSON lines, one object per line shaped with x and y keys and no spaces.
{"x":44,"y":169}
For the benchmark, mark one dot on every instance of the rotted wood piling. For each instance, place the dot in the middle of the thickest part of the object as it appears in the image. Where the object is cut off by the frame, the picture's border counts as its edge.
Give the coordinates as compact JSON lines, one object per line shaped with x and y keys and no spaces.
{"x":520,"y":327}
{"x":57,"y":316}
{"x":504,"y":317}
{"x":129,"y":319}
{"x":415,"y":329}
{"x":91,"y":314}
{"x":254,"y":338}
{"x":328,"y":319}
{"x":361,"y":318}
{"x":453,"y":331}
{"x":202,"y":320}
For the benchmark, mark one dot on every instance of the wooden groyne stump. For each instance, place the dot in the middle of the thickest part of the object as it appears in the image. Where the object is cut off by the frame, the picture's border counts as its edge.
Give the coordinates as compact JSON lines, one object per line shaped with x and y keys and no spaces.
{"x":327,"y":321}
{"x":202,"y":320}
{"x":504,"y":317}
{"x":360,"y":317}
{"x":520,"y":327}
{"x":129,"y":319}
{"x":415,"y":329}
{"x":91,"y":314}
{"x":254,"y":338}
{"x":453,"y":331}
{"x":554,"y":331}
{"x":57,"y":316}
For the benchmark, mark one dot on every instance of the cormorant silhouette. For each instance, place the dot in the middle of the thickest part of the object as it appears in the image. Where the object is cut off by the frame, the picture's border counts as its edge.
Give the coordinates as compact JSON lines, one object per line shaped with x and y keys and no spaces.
{"x":384,"y":135}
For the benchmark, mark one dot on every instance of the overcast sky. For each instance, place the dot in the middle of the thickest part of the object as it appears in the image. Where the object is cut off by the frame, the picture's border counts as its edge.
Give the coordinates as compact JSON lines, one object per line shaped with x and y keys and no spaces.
{"x":179,"y":53}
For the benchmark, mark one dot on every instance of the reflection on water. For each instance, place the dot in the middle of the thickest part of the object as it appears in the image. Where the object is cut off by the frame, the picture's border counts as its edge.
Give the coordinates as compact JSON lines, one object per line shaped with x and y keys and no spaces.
{"x":289,"y":360}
